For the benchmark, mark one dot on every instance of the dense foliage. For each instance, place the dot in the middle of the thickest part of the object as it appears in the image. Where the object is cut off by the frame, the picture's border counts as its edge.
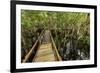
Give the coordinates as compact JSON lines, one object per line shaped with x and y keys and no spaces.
{"x":70,"y":30}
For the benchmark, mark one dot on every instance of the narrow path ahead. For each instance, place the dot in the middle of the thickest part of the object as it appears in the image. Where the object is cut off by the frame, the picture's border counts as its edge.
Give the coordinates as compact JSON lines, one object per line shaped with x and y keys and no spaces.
{"x":45,"y":51}
{"x":46,"y":36}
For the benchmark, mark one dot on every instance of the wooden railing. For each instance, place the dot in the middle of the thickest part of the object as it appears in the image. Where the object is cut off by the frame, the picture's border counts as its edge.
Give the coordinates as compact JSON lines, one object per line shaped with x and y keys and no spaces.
{"x":58,"y":57}
{"x":33,"y":49}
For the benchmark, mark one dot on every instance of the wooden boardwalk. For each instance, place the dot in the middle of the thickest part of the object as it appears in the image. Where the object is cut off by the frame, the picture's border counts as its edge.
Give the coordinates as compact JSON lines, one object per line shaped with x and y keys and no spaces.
{"x":44,"y":53}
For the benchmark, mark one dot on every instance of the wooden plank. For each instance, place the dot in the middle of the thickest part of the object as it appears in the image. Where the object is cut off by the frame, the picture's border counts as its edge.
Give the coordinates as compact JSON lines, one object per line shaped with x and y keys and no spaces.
{"x":46,"y":58}
{"x":45,"y":54}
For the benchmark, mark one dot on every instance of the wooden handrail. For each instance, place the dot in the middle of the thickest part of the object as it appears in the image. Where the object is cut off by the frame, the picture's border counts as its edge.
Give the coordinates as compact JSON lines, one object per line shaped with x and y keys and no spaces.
{"x":55,"y":49}
{"x":30,"y":52}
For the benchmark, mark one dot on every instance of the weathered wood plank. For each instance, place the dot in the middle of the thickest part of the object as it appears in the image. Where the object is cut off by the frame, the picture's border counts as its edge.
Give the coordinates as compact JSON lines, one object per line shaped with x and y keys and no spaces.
{"x":44,"y":53}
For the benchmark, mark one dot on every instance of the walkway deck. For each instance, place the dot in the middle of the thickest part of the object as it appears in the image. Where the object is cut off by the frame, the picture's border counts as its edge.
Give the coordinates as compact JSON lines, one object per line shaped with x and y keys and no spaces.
{"x":45,"y":53}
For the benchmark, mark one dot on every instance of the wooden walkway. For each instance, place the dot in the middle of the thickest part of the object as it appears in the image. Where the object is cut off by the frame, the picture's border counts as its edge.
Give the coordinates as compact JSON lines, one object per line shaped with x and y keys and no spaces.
{"x":44,"y":53}
{"x":46,"y":50}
